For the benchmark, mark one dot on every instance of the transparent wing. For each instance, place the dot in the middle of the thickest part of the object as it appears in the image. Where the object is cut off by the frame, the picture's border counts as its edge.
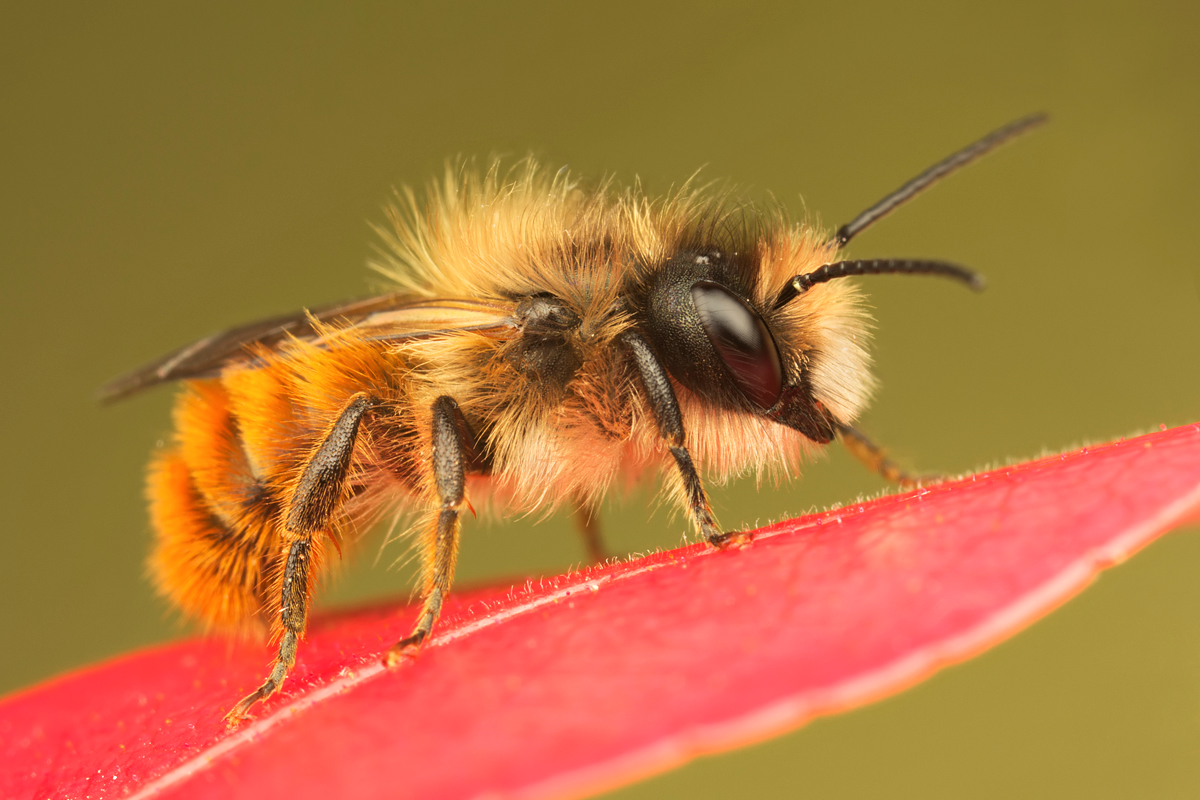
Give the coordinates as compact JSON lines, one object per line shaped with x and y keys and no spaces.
{"x":392,"y":317}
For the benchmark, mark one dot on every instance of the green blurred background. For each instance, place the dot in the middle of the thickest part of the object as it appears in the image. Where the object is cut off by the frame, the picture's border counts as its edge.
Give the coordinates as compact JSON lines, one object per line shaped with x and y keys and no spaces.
{"x":170,"y":172}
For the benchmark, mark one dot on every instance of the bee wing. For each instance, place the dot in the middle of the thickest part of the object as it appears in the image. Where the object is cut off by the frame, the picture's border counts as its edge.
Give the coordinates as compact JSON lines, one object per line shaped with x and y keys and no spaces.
{"x":393,"y":317}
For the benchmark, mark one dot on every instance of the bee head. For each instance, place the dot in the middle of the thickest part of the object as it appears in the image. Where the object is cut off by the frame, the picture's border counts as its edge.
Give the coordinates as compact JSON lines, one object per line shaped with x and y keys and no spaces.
{"x":713,"y":339}
{"x":795,"y":358}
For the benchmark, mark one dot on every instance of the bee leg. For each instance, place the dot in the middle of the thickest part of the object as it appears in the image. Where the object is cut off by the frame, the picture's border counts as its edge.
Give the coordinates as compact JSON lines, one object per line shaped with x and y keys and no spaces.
{"x":319,"y":491}
{"x":587,"y":519}
{"x":875,"y":459}
{"x":670,"y":426}
{"x":314,"y":500}
{"x":294,"y":615}
{"x":441,"y":540}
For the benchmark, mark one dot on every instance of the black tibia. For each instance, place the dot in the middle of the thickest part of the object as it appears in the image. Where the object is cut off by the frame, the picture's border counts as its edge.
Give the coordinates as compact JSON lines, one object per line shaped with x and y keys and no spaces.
{"x":449,"y":470}
{"x":587,"y":517}
{"x":294,"y":615}
{"x":658,"y":388}
{"x":448,"y":453}
{"x":670,"y":426}
{"x":873,"y":458}
{"x":319,"y":490}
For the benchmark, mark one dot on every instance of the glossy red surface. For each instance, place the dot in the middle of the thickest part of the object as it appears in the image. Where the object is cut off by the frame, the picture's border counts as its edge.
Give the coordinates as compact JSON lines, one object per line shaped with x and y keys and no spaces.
{"x":588,"y":680}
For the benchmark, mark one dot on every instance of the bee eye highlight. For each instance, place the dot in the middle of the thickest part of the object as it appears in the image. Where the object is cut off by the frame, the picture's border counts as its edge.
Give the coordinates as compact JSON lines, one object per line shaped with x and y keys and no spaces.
{"x":742,"y":340}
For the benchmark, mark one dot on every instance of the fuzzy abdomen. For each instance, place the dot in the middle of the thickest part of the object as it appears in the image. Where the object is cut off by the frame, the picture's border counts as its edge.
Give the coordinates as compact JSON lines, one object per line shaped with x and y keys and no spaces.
{"x":219,"y":498}
{"x":214,"y":520}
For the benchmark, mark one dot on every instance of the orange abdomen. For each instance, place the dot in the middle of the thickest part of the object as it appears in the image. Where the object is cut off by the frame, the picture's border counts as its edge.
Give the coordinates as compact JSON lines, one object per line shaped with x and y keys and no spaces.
{"x":214,"y":520}
{"x":218,"y":496}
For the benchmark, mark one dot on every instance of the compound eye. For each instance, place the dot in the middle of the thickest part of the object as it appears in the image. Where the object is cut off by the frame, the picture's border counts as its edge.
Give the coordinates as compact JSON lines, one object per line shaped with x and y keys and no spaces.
{"x":742,"y":340}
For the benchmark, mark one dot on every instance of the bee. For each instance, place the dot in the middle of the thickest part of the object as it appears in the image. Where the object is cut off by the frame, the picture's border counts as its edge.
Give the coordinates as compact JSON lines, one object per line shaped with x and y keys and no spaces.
{"x":544,"y":341}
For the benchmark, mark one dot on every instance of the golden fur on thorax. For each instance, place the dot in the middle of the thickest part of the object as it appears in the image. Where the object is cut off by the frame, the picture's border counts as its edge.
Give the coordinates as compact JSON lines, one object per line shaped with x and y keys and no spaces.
{"x":530,"y":230}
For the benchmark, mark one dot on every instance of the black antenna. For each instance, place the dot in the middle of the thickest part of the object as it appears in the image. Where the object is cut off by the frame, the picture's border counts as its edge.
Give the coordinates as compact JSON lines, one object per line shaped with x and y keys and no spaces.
{"x":934,"y":174}
{"x":877,"y":266}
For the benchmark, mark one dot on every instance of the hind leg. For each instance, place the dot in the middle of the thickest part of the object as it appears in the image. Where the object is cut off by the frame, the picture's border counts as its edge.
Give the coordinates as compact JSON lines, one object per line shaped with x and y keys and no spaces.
{"x":294,"y":616}
{"x":316,"y":497}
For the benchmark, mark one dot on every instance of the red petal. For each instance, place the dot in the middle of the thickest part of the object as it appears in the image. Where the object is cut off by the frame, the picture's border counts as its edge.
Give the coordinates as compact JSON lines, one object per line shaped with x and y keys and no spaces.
{"x":588,"y":680}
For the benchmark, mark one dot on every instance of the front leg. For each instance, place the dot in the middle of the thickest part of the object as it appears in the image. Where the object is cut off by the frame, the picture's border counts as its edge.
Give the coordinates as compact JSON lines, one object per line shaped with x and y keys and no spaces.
{"x":440,"y":541}
{"x":670,"y":425}
{"x":873,"y":457}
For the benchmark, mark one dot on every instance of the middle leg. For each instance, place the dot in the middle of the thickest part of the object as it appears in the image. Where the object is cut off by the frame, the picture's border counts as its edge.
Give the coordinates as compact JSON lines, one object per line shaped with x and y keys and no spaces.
{"x":440,"y":548}
{"x":587,"y":520}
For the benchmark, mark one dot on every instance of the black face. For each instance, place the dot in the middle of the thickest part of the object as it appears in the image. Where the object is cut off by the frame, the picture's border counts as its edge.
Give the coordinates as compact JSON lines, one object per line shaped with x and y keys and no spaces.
{"x":714,"y":341}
